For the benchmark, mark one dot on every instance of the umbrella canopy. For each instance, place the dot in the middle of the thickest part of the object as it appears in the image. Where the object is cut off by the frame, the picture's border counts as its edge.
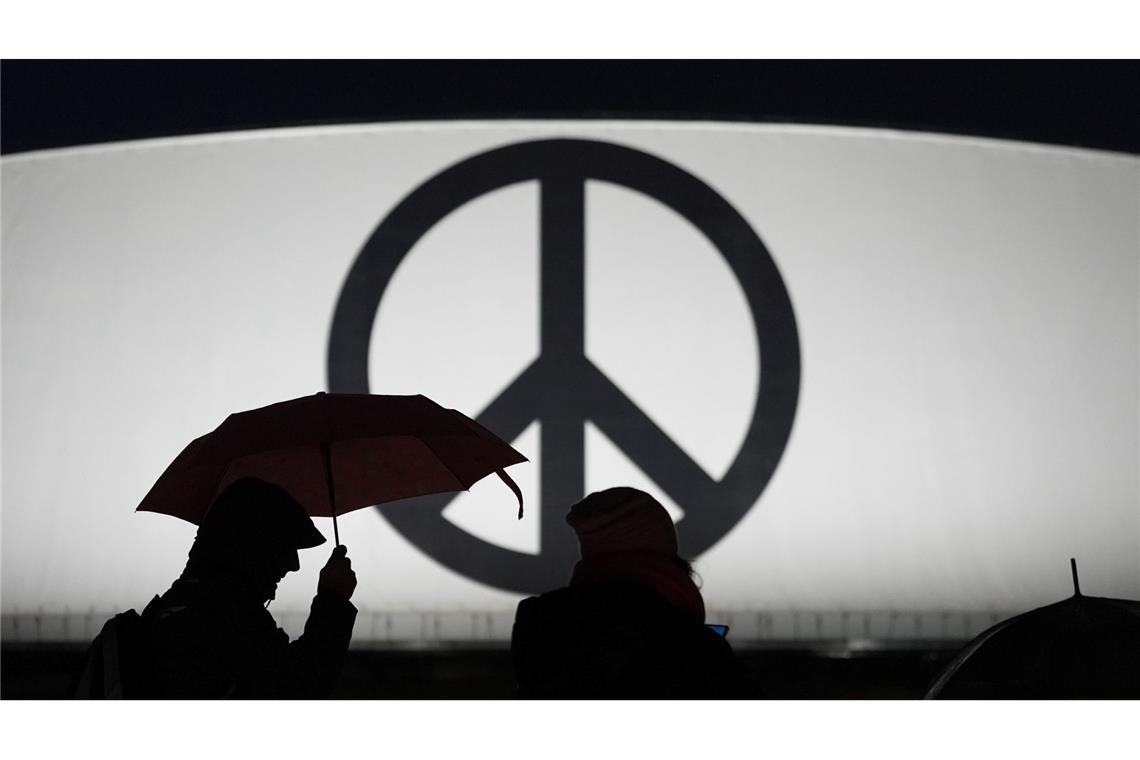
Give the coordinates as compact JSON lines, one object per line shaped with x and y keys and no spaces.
{"x":1082,"y":647}
{"x":335,"y":453}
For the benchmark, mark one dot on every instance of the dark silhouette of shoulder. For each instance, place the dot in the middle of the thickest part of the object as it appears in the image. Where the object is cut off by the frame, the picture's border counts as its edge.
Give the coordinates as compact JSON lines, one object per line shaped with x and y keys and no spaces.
{"x":208,"y":641}
{"x":618,"y":640}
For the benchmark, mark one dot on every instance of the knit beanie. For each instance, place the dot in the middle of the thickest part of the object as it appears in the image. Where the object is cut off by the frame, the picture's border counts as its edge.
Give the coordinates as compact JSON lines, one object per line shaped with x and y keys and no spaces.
{"x":622,"y":520}
{"x":626,"y":535}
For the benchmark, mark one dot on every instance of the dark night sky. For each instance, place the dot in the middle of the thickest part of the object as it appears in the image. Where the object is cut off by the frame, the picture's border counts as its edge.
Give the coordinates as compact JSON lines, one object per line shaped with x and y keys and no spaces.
{"x":49,"y":104}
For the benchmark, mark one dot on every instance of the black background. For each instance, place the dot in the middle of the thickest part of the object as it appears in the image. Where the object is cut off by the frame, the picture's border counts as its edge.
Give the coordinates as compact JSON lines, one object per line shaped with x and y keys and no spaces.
{"x":51,"y":104}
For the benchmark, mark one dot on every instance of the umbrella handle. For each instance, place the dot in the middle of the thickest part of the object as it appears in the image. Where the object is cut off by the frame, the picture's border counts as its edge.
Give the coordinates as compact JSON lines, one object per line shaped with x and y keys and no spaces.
{"x":326,"y":455}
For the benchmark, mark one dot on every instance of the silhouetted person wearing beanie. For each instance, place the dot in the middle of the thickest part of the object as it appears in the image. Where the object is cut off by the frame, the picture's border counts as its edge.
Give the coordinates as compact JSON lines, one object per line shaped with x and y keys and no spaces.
{"x":211,"y":633}
{"x":630,"y":624}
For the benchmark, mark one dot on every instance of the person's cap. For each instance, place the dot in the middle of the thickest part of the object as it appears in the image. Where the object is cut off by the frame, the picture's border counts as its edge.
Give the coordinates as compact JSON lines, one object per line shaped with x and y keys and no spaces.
{"x":622,"y":519}
{"x":252,"y":509}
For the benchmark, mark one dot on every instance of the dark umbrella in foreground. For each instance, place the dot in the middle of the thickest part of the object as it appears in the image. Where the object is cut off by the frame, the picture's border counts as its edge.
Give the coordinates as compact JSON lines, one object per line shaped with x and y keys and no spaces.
{"x":1082,"y":647}
{"x":335,"y":453}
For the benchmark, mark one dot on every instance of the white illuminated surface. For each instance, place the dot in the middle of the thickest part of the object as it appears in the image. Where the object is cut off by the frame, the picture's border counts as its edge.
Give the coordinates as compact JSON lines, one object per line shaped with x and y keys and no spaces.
{"x":968,"y":312}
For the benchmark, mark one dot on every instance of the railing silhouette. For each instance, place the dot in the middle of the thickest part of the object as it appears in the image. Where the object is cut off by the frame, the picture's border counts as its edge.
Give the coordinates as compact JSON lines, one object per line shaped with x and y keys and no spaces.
{"x":842,"y":629}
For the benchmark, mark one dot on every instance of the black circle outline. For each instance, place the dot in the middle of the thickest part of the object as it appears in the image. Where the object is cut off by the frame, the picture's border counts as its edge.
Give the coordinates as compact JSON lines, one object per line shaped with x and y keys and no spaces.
{"x":722,"y":505}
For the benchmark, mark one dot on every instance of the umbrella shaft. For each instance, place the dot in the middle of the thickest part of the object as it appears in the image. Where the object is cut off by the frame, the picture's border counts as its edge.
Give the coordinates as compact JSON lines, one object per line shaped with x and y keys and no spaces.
{"x":326,"y":454}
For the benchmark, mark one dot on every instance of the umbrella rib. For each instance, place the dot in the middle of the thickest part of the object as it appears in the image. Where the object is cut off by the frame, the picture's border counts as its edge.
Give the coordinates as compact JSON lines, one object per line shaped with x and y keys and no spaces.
{"x":439,"y":459}
{"x":217,"y":484}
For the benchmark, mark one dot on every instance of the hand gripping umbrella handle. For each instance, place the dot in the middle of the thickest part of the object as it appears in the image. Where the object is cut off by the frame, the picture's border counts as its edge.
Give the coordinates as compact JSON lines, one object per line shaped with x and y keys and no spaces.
{"x":326,"y":455}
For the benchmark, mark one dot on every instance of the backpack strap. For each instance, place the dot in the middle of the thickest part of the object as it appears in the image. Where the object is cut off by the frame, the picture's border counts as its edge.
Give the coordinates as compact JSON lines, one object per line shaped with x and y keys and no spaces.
{"x":85,"y":684}
{"x":116,"y":657}
{"x":117,"y":632}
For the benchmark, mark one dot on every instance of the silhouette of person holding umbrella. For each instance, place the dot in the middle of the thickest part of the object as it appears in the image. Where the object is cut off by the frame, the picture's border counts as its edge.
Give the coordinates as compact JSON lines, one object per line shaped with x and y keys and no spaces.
{"x":325,"y":454}
{"x":211,"y":634}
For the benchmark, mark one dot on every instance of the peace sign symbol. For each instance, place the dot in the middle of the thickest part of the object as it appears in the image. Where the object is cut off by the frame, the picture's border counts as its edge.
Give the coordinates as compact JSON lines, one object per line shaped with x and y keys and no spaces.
{"x":562,"y":388}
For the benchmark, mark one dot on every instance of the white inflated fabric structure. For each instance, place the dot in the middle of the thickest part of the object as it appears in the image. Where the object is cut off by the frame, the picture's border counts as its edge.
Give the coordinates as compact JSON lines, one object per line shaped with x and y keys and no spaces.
{"x":966,"y":362}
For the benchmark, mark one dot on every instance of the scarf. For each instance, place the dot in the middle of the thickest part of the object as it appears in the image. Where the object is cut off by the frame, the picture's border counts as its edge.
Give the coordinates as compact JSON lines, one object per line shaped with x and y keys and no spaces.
{"x":660,"y":573}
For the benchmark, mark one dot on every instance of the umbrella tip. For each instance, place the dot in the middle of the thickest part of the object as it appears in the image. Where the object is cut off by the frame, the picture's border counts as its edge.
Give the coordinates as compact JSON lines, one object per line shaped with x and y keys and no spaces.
{"x":514,"y":487}
{"x":1076,"y":582}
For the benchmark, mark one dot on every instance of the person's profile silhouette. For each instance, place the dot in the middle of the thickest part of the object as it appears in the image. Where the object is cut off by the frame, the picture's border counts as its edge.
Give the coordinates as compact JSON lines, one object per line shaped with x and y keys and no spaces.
{"x":211,"y":634}
{"x":631,"y":622}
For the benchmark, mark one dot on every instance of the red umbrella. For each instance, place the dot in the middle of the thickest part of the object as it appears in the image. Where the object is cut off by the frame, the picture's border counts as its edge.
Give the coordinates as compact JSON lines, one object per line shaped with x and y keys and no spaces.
{"x":335,"y":453}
